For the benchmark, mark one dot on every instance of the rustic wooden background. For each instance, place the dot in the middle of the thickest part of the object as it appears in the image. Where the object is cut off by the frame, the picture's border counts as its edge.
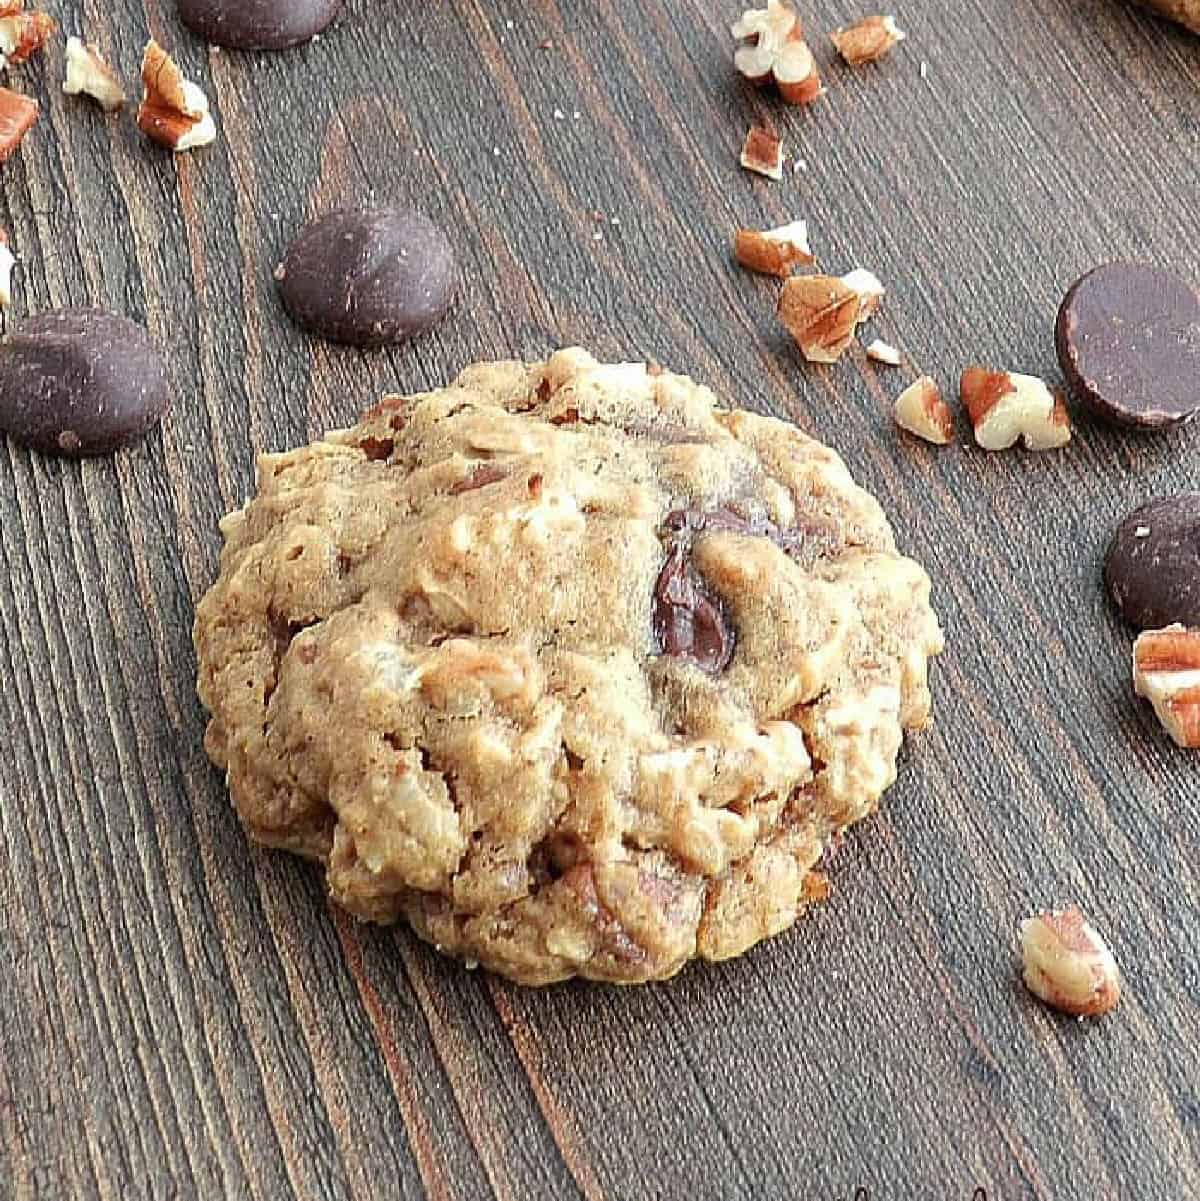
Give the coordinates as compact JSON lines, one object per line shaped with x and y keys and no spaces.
{"x":182,"y":1016}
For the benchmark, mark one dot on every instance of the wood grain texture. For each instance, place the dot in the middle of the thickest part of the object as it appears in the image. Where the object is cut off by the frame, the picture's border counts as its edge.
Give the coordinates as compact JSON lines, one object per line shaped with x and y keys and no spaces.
{"x":182,"y":1016}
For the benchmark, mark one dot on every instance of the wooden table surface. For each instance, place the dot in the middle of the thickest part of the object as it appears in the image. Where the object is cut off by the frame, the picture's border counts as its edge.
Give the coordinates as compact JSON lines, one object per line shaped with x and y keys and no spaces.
{"x":183,"y":1016}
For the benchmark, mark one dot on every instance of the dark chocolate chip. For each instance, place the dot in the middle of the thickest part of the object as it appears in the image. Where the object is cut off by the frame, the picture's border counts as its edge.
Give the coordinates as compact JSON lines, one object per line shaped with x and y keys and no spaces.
{"x":258,"y":24}
{"x":1152,"y":569}
{"x":80,"y":382}
{"x":1128,"y":339}
{"x":690,"y":623}
{"x":368,"y":277}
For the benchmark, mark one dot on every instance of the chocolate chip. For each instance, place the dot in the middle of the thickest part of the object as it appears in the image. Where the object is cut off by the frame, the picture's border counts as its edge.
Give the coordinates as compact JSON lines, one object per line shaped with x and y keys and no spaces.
{"x":258,"y":24}
{"x":1152,"y":569}
{"x":80,"y":382}
{"x":689,"y":623}
{"x":368,"y":277}
{"x":1128,"y":339}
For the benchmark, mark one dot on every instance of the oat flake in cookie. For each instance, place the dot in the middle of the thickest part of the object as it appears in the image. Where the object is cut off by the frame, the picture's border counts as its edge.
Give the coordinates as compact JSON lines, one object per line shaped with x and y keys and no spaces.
{"x":569,"y":668}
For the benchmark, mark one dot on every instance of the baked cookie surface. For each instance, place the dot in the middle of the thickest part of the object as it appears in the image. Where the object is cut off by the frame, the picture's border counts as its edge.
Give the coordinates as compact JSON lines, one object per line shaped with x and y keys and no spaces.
{"x":573,"y":670}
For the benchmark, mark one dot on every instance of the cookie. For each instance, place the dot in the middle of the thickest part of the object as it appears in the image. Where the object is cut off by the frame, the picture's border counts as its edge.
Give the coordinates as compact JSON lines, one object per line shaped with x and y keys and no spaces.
{"x":1186,"y":12}
{"x":570,"y":668}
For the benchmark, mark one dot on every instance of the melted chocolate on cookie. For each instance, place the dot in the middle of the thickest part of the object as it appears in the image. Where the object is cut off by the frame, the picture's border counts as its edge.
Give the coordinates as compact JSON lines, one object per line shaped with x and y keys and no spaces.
{"x":689,"y":621}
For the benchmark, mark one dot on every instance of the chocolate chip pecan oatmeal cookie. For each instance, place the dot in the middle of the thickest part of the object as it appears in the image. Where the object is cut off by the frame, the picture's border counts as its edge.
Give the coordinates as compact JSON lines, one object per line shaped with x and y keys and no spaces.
{"x":573,"y":670}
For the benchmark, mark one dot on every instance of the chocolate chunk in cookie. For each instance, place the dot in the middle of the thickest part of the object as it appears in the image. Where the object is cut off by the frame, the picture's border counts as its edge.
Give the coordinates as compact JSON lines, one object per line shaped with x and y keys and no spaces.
{"x":571,"y":668}
{"x":689,"y":622}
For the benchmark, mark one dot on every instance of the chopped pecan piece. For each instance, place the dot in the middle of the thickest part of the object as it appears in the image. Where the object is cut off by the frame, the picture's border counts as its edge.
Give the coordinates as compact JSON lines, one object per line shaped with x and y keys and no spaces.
{"x":174,"y":111}
{"x":89,"y":75}
{"x":17,"y":115}
{"x":22,"y":34}
{"x":773,"y":251}
{"x":883,"y":352}
{"x":1006,"y":407}
{"x":1068,"y":965}
{"x":1166,"y":671}
{"x":870,"y":291}
{"x":774,"y":51}
{"x":762,"y":152}
{"x":868,"y":40}
{"x":821,"y":312}
{"x":921,"y":410}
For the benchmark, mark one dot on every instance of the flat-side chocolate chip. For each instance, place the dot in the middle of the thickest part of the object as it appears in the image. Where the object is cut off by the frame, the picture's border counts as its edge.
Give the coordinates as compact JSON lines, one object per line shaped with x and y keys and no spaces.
{"x":1152,"y":569}
{"x":1128,"y":338}
{"x":368,"y":277}
{"x":80,"y":382}
{"x":258,"y":24}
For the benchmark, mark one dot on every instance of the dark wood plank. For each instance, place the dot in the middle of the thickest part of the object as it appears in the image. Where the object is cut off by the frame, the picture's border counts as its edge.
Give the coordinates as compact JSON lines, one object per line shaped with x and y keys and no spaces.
{"x":183,"y":1016}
